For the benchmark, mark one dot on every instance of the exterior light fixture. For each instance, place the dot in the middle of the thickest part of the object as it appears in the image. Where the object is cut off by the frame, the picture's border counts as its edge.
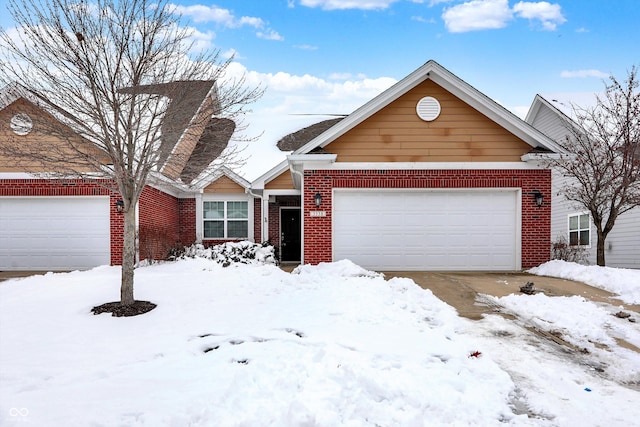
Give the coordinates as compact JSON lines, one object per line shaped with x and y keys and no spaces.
{"x":317,"y":199}
{"x":120,"y":205}
{"x":539,"y":197}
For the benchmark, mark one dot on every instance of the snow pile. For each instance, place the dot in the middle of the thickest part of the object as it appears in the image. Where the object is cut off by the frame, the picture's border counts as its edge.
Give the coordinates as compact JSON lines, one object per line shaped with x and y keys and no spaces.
{"x":588,"y":326}
{"x":247,"y":345}
{"x":228,"y":253}
{"x":251,"y":345}
{"x":624,"y":282}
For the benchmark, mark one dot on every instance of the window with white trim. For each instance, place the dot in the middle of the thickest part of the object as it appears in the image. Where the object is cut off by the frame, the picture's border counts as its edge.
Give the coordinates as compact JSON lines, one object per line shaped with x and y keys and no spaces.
{"x":226,"y":219}
{"x":580,"y":229}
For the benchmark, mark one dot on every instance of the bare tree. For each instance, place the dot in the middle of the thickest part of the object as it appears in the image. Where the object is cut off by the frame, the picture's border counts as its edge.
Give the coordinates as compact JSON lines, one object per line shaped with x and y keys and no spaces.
{"x":604,"y":165}
{"x":130,"y":96}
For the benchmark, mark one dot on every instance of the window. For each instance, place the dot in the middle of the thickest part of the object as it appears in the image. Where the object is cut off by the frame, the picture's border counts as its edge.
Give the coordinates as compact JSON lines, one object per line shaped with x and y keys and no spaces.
{"x":580,"y":230}
{"x":226,"y":220}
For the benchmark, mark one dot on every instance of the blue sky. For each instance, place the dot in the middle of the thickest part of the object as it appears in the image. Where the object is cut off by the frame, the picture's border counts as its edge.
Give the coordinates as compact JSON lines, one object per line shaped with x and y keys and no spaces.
{"x":510,"y":50}
{"x":332,"y":56}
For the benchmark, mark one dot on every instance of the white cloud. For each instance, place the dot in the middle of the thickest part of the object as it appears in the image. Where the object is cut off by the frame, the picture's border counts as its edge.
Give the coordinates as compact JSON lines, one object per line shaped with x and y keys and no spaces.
{"x":348,"y":4}
{"x":340,"y":76}
{"x":423,"y":20}
{"x":584,"y":73}
{"x":200,"y":13}
{"x":201,"y":41}
{"x":230,"y":53}
{"x":289,"y":93}
{"x":305,"y":47}
{"x":550,"y":15}
{"x":477,"y":15}
{"x":270,"y":35}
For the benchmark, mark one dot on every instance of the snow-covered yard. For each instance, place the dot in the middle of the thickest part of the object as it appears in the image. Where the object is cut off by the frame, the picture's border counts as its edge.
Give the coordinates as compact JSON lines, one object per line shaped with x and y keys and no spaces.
{"x":330,"y":345}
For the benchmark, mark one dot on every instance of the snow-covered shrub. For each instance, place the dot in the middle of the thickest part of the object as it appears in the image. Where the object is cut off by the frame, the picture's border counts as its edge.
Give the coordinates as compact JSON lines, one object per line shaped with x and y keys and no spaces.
{"x":244,"y":252}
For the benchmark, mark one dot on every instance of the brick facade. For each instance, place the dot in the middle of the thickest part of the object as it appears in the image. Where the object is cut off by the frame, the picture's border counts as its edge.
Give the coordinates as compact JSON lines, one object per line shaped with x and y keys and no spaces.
{"x":274,"y":216}
{"x":536,"y":221}
{"x":187,"y":209}
{"x":158,"y":224}
{"x":72,"y":187}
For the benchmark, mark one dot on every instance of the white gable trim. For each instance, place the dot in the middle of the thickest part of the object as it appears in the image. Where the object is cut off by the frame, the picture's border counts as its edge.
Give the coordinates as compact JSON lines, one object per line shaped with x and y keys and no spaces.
{"x":431,"y":166}
{"x":434,"y":71}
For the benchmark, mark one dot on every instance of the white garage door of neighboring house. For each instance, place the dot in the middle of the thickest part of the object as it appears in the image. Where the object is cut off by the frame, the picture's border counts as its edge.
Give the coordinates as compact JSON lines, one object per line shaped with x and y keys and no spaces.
{"x":427,"y":230}
{"x":54,"y":233}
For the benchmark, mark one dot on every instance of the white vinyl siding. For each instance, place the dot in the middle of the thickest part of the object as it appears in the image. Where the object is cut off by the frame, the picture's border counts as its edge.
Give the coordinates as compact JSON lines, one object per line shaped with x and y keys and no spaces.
{"x":427,"y":230}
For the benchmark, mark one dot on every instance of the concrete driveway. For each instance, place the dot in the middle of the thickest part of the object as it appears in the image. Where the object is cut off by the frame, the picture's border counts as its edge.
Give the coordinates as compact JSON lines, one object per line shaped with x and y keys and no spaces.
{"x":460,"y":289}
{"x":6,"y":275}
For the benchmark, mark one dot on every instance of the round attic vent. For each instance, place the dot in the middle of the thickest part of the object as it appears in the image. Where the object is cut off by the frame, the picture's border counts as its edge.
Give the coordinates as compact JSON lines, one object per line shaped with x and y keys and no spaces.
{"x":21,"y":124}
{"x":428,"y":108}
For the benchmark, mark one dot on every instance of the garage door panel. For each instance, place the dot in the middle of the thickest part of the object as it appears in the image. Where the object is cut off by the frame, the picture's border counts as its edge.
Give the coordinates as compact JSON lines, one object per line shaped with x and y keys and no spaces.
{"x":431,"y":230}
{"x":54,"y":233}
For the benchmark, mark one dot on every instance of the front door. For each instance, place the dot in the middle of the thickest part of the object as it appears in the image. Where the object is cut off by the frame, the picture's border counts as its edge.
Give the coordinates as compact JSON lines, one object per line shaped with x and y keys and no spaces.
{"x":290,"y":234}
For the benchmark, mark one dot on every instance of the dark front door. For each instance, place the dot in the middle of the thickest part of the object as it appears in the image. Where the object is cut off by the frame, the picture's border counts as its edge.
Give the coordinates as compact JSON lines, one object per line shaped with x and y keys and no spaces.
{"x":289,"y":235}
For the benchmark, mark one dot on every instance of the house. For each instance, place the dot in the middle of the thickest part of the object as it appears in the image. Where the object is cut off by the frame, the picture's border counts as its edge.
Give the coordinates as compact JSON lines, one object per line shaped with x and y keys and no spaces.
{"x":574,"y":223}
{"x":64,"y":224}
{"x":429,"y":175}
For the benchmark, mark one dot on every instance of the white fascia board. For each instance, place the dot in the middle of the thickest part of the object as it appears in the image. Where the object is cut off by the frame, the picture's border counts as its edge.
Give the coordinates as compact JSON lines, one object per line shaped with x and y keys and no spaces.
{"x":430,"y":166}
{"x":52,"y":176}
{"x":536,"y":157}
{"x":534,"y":109}
{"x":312,"y":161}
{"x":18,"y":175}
{"x":280,"y":192}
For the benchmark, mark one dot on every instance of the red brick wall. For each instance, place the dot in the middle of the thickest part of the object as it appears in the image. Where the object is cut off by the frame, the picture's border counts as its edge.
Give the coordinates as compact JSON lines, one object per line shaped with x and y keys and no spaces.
{"x":71,"y":187}
{"x":536,"y":221}
{"x":187,"y":209}
{"x":158,"y":224}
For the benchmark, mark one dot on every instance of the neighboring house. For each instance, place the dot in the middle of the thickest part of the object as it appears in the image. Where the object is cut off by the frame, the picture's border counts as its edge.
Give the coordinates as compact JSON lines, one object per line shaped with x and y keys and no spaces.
{"x":570,"y":221}
{"x":429,"y":175}
{"x":63,"y":224}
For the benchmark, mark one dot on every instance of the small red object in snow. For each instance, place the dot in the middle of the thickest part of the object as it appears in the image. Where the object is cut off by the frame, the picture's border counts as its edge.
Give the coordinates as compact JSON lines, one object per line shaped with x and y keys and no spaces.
{"x":475,"y":354}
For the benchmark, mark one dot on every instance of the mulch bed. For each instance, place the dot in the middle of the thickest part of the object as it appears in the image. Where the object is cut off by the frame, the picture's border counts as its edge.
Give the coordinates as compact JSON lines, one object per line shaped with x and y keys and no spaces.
{"x":118,"y":309}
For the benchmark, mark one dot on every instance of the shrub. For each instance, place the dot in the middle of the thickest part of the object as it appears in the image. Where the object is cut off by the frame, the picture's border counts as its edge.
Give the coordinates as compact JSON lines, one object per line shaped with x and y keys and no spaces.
{"x":233,"y":252}
{"x":562,"y":250}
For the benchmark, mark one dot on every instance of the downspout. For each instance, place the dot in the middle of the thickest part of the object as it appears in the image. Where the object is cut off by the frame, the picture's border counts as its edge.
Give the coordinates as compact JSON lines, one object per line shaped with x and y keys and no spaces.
{"x":263,"y":219}
{"x":301,"y":175}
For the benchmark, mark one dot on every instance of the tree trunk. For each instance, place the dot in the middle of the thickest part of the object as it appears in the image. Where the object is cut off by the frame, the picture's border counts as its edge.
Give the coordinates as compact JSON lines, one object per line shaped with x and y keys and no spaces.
{"x":600,"y":249}
{"x":128,"y":256}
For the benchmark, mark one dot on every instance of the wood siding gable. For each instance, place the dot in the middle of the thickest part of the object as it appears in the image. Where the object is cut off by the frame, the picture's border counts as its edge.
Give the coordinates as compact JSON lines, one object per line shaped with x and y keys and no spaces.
{"x":47,"y":135}
{"x":224,"y":185}
{"x":284,"y":181}
{"x":396,"y":133}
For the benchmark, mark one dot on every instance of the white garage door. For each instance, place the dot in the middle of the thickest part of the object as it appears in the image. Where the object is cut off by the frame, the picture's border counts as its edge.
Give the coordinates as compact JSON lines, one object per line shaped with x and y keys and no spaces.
{"x":427,"y":230}
{"x":54,"y":233}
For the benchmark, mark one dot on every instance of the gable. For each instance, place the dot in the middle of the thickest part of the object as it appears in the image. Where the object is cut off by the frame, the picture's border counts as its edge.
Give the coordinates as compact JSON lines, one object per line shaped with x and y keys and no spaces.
{"x":47,"y":137}
{"x":224,"y":185}
{"x":281,"y":182}
{"x":396,"y":134}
